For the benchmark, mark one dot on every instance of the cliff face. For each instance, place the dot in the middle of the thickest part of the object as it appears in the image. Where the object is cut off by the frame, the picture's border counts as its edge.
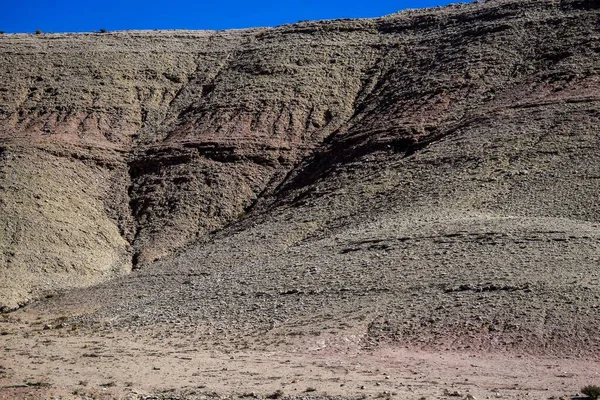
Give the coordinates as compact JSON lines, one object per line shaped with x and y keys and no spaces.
{"x":118,"y":149}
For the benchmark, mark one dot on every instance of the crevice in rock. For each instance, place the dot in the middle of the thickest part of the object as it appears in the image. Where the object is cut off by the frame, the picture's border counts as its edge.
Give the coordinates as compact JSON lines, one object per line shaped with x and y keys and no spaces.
{"x":131,"y":207}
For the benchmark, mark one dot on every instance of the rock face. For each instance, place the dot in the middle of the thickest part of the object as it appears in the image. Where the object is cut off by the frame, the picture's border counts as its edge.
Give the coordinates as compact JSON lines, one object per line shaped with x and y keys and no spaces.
{"x":121,"y":148}
{"x":412,"y":161}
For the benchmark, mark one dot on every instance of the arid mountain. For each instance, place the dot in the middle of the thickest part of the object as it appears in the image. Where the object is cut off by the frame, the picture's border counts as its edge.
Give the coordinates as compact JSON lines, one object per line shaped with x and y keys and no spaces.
{"x":432,"y":175}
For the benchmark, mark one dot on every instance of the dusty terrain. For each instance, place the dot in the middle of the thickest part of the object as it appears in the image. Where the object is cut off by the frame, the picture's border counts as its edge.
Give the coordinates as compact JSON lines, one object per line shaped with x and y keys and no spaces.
{"x":214,"y":214}
{"x":161,"y":364}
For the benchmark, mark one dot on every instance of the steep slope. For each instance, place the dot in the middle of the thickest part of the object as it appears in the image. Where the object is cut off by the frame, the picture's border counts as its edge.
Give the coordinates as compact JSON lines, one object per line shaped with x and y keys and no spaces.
{"x":448,"y":197}
{"x":428,"y":177}
{"x":177,"y":134}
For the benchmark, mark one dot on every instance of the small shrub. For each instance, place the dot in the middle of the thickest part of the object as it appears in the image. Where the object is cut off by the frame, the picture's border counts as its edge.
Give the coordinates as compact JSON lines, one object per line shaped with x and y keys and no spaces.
{"x":38,"y":32}
{"x":102,"y":30}
{"x":2,"y":32}
{"x":591,"y":391}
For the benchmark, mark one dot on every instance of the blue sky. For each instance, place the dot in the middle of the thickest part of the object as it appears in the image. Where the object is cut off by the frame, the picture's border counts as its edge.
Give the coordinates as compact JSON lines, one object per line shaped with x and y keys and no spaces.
{"x":87,"y":16}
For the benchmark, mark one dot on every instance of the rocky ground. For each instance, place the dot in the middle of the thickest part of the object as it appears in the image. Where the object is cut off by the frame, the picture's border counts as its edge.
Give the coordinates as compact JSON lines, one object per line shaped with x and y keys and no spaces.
{"x":60,"y":359}
{"x":398,"y":207}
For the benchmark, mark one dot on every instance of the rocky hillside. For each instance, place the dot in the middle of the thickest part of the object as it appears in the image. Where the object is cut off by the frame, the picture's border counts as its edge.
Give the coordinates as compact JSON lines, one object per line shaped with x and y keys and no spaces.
{"x":433,"y":170}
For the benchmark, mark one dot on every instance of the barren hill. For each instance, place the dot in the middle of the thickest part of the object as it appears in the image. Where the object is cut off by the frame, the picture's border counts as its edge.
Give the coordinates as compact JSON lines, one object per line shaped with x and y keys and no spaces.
{"x":430,"y":176}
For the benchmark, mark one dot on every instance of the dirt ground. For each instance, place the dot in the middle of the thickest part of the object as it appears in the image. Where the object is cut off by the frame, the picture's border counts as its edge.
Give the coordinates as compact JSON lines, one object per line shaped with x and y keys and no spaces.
{"x":40,"y":362}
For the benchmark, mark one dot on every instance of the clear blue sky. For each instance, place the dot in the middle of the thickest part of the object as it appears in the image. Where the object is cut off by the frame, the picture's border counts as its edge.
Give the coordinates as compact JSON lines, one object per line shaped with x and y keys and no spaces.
{"x":87,"y":16}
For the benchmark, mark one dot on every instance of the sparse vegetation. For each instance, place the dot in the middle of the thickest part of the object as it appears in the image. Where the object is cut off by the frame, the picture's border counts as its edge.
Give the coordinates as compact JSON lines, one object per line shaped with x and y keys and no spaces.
{"x":102,"y":30}
{"x":38,"y":32}
{"x":591,"y":391}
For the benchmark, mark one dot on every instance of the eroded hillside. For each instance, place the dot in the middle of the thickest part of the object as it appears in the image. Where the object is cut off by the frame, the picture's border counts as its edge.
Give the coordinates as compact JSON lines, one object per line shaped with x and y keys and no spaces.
{"x":388,"y":163}
{"x":120,"y":148}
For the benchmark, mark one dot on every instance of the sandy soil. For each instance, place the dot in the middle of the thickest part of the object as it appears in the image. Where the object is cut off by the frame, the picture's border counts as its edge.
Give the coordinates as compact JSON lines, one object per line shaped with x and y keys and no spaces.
{"x":39,"y":363}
